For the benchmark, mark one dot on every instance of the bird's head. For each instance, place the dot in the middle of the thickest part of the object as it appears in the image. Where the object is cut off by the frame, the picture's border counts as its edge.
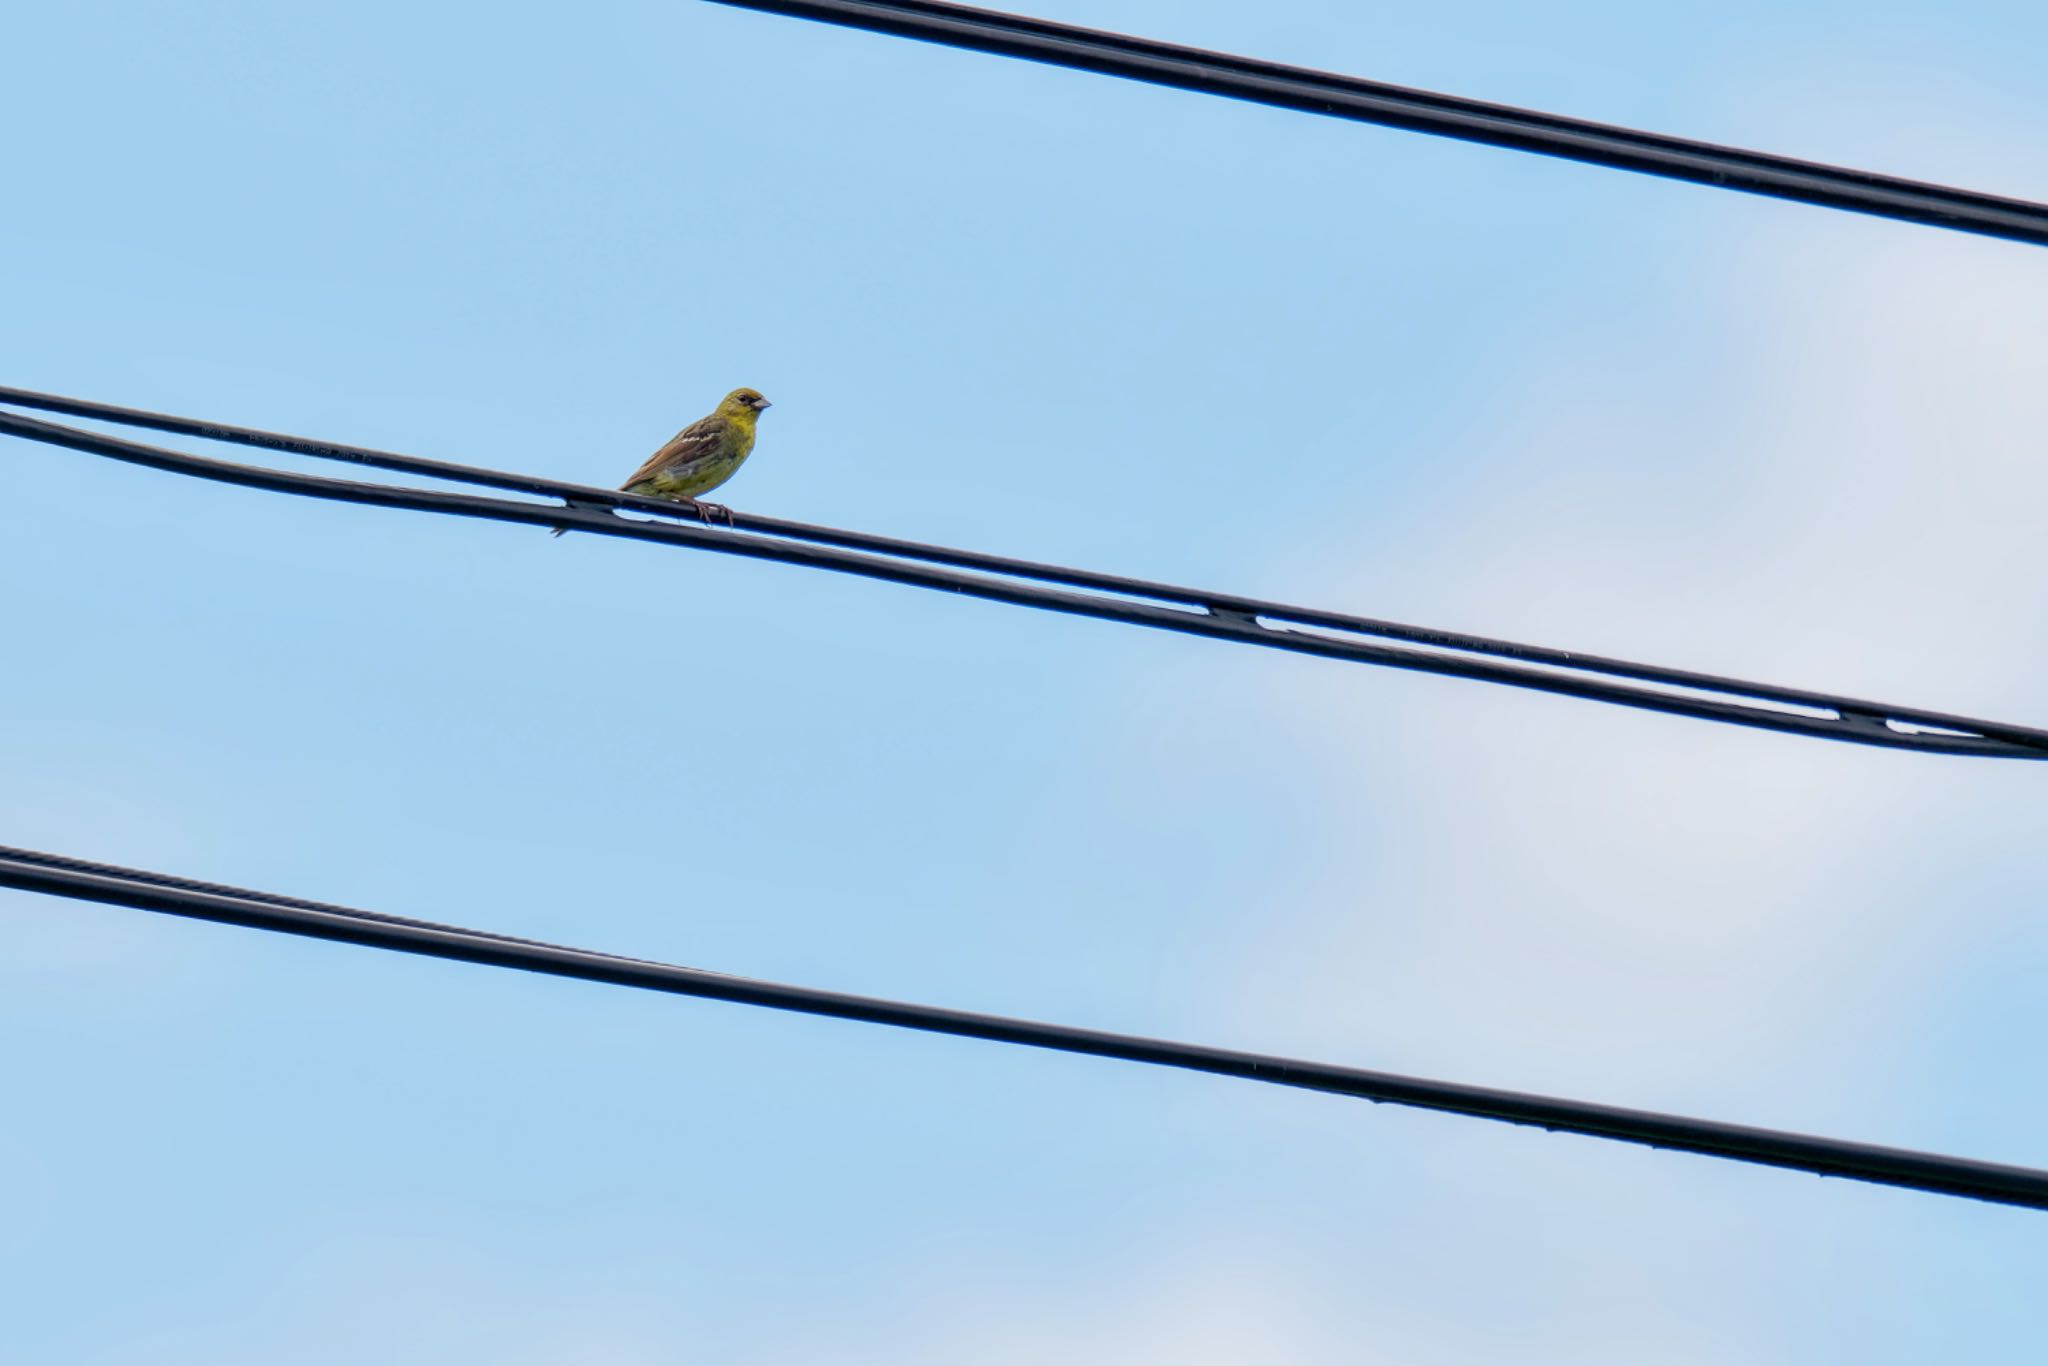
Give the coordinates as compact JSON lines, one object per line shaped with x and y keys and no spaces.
{"x":743,"y":403}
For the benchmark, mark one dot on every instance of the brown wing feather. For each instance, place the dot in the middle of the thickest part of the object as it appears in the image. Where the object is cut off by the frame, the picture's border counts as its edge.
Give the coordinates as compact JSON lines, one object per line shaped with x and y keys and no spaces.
{"x":693,"y":442}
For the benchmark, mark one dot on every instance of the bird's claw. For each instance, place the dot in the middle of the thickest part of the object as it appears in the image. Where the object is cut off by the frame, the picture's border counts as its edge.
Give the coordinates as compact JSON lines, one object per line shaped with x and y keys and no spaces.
{"x":709,"y":513}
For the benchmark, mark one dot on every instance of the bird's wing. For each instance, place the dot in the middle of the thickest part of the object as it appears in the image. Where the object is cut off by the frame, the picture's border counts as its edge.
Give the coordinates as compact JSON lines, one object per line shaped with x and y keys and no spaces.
{"x":694,"y":442}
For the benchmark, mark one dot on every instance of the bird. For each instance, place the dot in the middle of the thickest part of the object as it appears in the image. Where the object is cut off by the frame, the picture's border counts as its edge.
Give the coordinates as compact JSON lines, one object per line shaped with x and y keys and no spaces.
{"x":701,"y":456}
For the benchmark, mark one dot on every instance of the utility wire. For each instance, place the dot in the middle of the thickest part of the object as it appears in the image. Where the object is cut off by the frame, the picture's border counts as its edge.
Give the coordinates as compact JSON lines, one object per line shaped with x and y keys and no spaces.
{"x":1393,"y":106}
{"x":1107,"y":597}
{"x":54,"y":875}
{"x":65,"y":863}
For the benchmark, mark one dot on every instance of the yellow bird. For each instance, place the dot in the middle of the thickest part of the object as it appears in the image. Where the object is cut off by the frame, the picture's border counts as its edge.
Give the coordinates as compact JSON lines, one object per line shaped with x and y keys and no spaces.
{"x":701,"y":456}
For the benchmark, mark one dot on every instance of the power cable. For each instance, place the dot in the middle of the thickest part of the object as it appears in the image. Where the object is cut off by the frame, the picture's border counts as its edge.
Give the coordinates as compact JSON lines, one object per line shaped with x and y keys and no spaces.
{"x":55,"y":875}
{"x":1422,"y":111}
{"x":1107,"y":597}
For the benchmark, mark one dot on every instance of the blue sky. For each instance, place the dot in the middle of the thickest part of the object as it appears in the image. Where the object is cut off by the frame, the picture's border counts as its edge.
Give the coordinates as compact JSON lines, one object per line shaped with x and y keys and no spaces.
{"x":1057,"y":316}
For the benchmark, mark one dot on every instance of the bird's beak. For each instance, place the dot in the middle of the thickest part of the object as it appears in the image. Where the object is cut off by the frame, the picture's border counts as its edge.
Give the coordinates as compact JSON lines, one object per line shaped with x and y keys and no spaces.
{"x":761,"y":403}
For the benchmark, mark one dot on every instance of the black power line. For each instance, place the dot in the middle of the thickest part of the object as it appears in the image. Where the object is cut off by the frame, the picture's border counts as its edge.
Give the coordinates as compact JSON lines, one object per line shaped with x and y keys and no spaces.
{"x":1108,"y":597}
{"x":170,"y":881}
{"x":55,"y":875}
{"x":1363,"y":101}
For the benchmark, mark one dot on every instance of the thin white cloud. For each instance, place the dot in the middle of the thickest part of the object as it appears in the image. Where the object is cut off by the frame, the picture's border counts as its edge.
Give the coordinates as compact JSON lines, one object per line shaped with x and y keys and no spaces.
{"x":1866,"y":517}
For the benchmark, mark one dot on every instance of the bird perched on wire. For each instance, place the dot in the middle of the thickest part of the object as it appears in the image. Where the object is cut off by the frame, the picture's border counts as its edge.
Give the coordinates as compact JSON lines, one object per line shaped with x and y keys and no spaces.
{"x":701,"y":456}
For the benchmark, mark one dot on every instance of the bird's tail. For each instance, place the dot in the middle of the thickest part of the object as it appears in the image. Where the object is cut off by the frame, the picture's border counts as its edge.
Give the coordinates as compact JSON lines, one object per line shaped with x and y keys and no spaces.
{"x":581,"y":506}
